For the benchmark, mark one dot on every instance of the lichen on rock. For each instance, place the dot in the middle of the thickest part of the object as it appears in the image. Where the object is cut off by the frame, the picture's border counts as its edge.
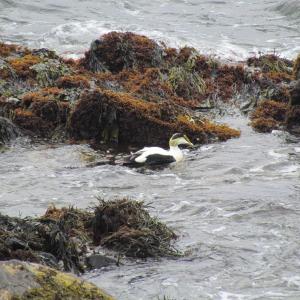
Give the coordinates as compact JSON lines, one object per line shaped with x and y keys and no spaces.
{"x":29,"y":281}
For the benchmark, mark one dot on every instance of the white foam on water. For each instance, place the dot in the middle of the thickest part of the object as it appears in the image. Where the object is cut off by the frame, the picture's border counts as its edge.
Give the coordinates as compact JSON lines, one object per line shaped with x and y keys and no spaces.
{"x":289,"y":169}
{"x":231,"y":296}
{"x":276,"y":154}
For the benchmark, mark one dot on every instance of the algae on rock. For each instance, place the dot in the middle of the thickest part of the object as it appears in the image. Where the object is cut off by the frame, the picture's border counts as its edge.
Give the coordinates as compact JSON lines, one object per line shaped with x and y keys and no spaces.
{"x":29,"y":281}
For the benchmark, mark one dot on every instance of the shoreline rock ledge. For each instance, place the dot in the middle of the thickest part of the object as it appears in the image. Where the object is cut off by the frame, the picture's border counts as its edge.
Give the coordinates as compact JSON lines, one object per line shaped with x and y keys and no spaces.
{"x":23,"y":280}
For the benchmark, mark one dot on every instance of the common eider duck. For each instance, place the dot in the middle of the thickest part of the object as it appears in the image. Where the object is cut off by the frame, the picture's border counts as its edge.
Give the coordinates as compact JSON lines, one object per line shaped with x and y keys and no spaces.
{"x":159,"y":156}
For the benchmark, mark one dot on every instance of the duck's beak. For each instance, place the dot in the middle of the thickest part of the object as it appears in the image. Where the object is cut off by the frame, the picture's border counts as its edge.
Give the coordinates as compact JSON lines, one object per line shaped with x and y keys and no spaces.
{"x":188,"y":141}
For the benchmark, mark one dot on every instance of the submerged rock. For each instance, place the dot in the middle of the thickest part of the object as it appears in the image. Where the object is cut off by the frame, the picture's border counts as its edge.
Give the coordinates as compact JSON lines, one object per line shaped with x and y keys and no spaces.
{"x":23,"y":280}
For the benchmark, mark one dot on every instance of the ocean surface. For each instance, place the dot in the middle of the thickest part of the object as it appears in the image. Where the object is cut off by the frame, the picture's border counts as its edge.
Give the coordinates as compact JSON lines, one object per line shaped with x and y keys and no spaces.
{"x":235,"y":205}
{"x":228,"y":28}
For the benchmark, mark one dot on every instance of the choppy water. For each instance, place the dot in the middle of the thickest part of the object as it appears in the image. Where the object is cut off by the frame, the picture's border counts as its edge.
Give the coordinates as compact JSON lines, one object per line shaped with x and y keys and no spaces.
{"x":224,"y":27}
{"x":235,"y":206}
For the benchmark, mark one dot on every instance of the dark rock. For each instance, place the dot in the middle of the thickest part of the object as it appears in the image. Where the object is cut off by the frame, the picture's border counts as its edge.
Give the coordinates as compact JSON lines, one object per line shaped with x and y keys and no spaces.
{"x":98,"y":261}
{"x":116,"y":50}
{"x":15,"y":244}
{"x":293,"y":113}
{"x":8,"y":131}
{"x":295,"y":94}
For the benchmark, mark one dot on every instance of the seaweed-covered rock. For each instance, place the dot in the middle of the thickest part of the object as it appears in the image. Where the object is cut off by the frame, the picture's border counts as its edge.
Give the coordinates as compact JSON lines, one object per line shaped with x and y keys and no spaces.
{"x":293,"y":114}
{"x":271,"y":63}
{"x":110,"y":116}
{"x":47,"y":72}
{"x":269,"y":115}
{"x":296,"y":68}
{"x":24,"y":281}
{"x":117,"y":50}
{"x":8,"y":130}
{"x":62,"y":237}
{"x":295,"y":94}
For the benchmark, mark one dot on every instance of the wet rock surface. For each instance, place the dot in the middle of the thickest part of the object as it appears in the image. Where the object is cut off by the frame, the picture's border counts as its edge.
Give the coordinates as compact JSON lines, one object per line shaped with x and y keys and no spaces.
{"x":293,"y":113}
{"x":8,"y":131}
{"x":23,"y":280}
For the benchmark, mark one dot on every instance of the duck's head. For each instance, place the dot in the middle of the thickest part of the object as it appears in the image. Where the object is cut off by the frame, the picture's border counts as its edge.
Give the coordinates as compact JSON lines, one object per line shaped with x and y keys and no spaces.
{"x":179,"y":139}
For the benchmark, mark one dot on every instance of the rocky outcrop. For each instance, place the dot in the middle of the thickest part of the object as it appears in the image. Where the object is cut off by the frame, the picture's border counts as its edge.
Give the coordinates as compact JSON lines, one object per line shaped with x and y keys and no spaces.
{"x":65,"y":238}
{"x":116,"y":51}
{"x":8,"y":131}
{"x":23,"y":280}
{"x":293,"y":113}
{"x":129,"y":90}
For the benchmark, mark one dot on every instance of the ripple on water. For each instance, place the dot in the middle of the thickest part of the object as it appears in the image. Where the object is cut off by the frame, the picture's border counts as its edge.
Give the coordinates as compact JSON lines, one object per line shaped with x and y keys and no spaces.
{"x":235,"y":206}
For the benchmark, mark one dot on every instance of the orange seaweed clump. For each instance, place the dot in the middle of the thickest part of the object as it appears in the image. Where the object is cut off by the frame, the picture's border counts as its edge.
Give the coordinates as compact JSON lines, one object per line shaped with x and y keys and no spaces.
{"x":270,"y":109}
{"x":9,"y":49}
{"x":278,"y":77}
{"x":264,"y":125}
{"x":23,"y":112}
{"x":127,"y":101}
{"x":22,"y":65}
{"x":43,"y":95}
{"x":73,"y":81}
{"x":228,"y":81}
{"x":29,"y":121}
{"x":269,"y":115}
{"x":137,"y":122}
{"x":221,"y":131}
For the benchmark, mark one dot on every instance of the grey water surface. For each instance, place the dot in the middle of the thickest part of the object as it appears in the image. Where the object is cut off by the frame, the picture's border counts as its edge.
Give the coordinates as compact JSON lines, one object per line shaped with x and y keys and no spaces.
{"x":229,"y":28}
{"x":235,"y":205}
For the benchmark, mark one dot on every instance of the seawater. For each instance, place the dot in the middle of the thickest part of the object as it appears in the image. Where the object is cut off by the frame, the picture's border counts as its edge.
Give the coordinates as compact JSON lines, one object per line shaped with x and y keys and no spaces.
{"x":228,"y":28}
{"x":235,"y":205}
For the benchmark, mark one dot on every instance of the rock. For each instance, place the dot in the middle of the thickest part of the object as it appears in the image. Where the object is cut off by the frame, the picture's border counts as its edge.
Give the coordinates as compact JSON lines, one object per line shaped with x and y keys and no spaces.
{"x":49,"y":71}
{"x":296,"y":68}
{"x":117,"y":50}
{"x":8,"y":131}
{"x":22,"y":280}
{"x":295,"y":94}
{"x":98,"y":261}
{"x":293,"y":113}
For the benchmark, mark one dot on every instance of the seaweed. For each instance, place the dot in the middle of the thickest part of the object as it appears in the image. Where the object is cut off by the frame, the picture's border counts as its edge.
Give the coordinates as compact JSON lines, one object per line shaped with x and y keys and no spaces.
{"x":22,"y":65}
{"x":65,"y":234}
{"x":270,"y":63}
{"x":115,"y":51}
{"x":128,"y":228}
{"x":269,"y":115}
{"x":296,"y":68}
